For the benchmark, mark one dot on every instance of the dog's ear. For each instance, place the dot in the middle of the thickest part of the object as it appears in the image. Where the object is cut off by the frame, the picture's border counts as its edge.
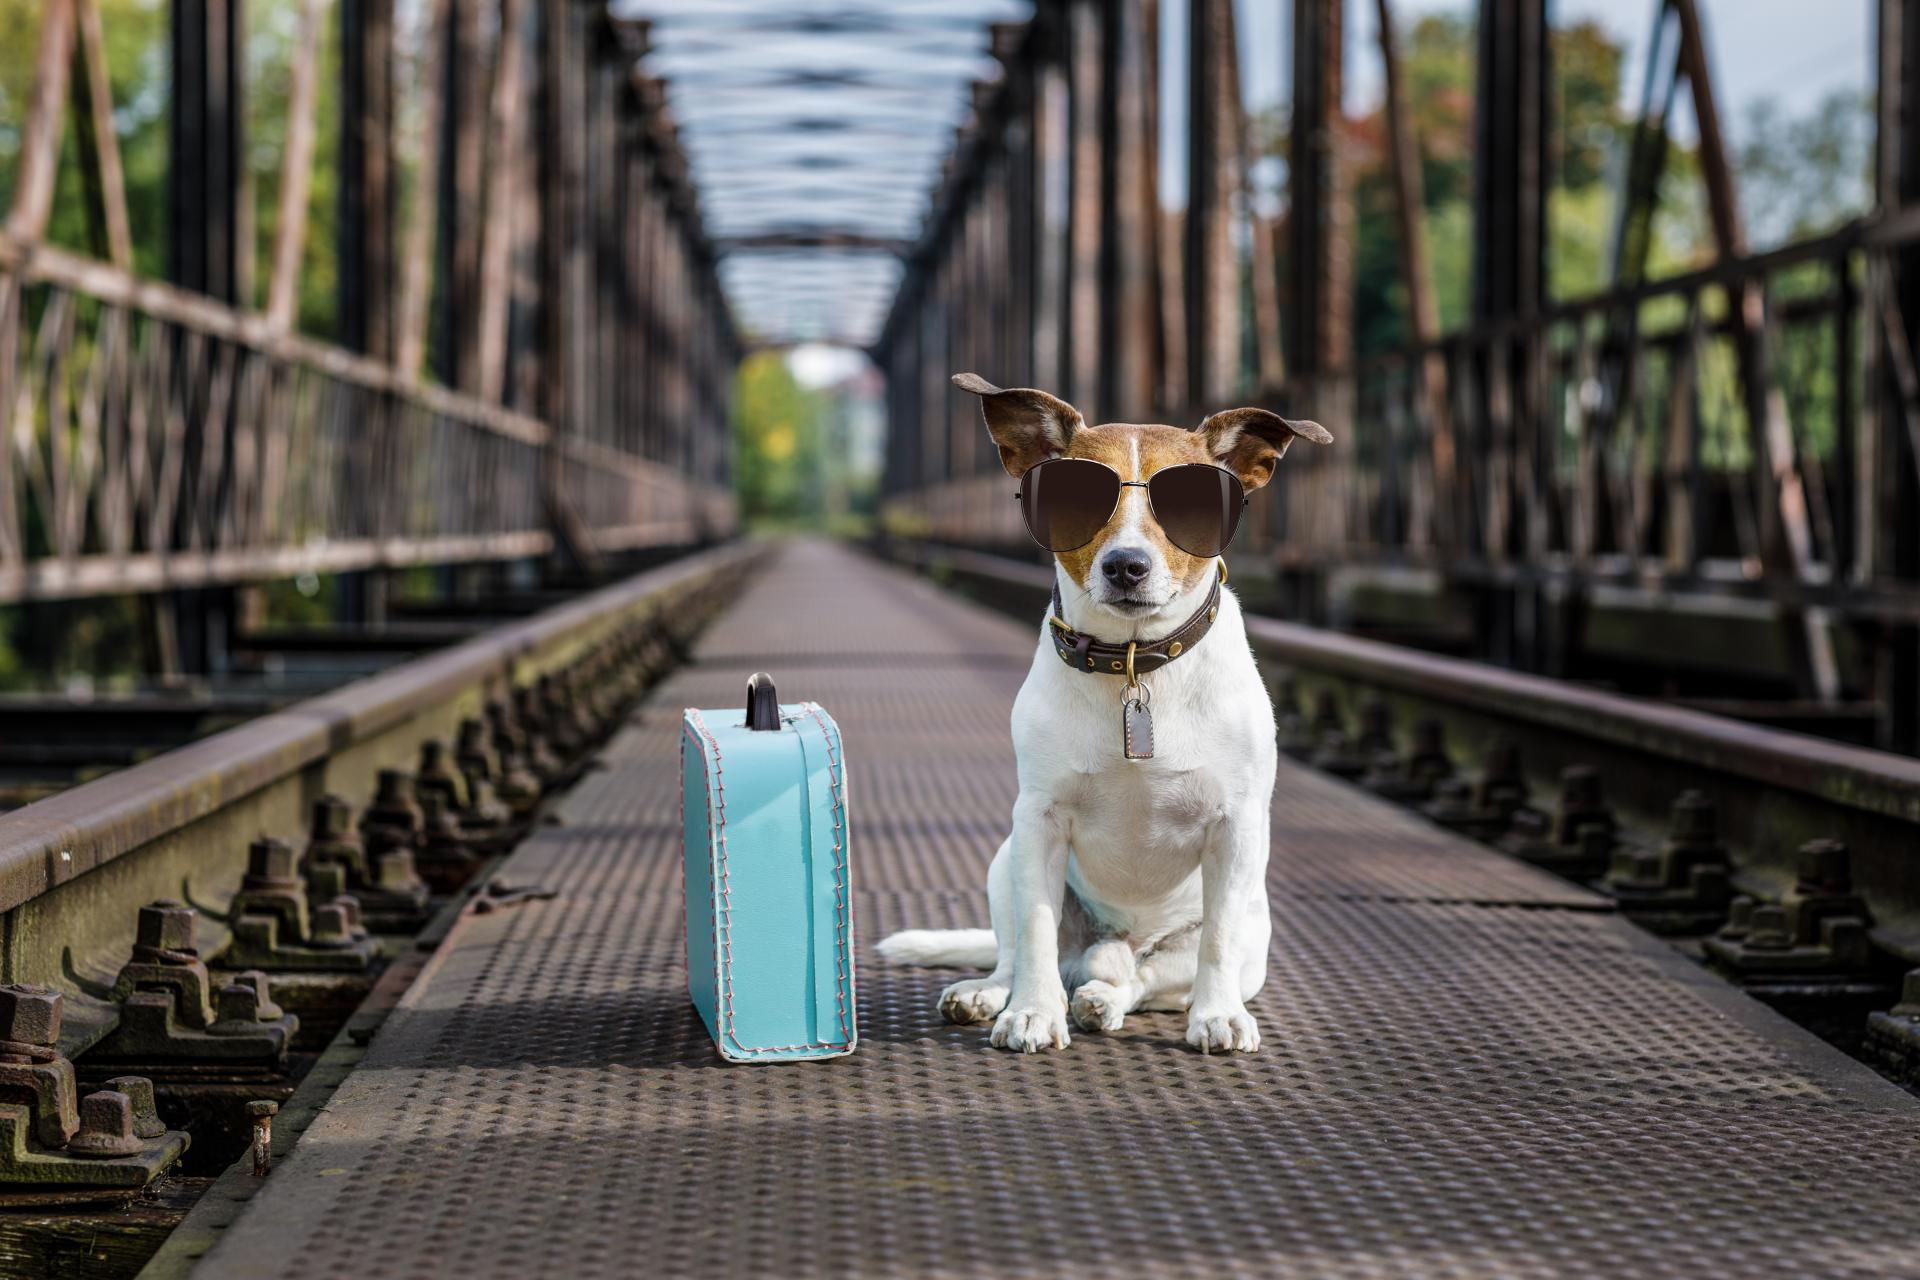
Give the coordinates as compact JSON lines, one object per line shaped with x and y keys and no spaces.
{"x":1029,"y":426}
{"x":1250,"y":442}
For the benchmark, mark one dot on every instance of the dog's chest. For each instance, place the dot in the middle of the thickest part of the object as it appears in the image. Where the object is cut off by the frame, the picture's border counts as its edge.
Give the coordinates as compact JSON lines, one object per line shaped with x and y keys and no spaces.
{"x":1165,"y":804}
{"x":1147,"y":803}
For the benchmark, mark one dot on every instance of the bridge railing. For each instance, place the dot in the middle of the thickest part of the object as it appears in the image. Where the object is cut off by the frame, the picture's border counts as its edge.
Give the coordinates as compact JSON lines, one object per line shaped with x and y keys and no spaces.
{"x":1624,"y":437}
{"x":154,"y":438}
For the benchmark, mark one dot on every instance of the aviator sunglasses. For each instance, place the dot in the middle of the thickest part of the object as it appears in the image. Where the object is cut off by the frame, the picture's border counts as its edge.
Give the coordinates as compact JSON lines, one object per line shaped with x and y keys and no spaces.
{"x":1067,"y":501}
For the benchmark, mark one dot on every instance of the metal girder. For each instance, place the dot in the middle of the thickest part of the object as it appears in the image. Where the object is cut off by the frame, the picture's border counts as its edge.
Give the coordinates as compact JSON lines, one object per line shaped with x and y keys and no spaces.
{"x":756,"y":83}
{"x":809,"y":240}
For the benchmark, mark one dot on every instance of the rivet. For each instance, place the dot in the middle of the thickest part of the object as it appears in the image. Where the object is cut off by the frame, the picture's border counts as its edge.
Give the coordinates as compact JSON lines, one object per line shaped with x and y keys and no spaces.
{"x":1211,"y":612}
{"x":1173,"y":650}
{"x":1089,"y":664}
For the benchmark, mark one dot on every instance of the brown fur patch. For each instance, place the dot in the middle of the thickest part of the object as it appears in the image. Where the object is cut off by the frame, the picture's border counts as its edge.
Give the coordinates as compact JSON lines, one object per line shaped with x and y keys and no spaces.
{"x":1160,"y":447}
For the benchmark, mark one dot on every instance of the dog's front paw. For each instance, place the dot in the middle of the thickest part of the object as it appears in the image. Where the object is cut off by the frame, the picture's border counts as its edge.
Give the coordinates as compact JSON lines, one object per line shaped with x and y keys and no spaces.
{"x":1223,"y":1030}
{"x":973,"y":1000}
{"x":1098,"y":1006}
{"x":1031,"y":1030}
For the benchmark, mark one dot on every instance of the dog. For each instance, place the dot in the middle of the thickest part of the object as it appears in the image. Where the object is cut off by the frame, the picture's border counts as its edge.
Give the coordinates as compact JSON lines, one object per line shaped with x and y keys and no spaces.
{"x":1127,"y":883}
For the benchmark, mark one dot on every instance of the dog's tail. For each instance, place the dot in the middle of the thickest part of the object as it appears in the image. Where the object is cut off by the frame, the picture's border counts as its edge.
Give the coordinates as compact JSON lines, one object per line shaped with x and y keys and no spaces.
{"x":942,"y":948}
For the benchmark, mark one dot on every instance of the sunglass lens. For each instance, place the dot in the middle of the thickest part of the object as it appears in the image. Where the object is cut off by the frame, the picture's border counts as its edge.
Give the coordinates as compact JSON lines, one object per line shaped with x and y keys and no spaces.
{"x":1065,"y":501}
{"x":1198,"y":506}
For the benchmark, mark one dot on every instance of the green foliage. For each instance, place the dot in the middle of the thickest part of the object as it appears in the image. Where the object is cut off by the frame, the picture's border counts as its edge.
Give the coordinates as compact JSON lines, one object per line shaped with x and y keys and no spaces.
{"x":273,"y":30}
{"x":1587,"y":121}
{"x":1801,"y":176}
{"x":135,"y":36}
{"x":779,"y":455}
{"x":1797,"y":176}
{"x":135,"y":33}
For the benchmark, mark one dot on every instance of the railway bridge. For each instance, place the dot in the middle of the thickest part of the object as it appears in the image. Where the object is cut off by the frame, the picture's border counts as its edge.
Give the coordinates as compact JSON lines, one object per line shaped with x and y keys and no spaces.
{"x":401,"y":421}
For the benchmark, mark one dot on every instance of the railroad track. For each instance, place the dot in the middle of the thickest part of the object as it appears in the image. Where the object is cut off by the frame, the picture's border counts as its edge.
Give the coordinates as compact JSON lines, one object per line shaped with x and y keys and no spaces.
{"x":1790,"y":864}
{"x":211,"y":918}
{"x":1471,"y":1067}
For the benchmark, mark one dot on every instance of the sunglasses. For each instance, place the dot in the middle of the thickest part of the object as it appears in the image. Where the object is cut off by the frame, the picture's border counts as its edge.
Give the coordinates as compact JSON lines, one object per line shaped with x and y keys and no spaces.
{"x":1067,"y":501}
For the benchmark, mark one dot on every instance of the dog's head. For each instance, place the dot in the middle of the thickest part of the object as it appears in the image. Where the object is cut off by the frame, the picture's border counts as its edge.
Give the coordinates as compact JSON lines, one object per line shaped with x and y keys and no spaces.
{"x":1131,"y":569}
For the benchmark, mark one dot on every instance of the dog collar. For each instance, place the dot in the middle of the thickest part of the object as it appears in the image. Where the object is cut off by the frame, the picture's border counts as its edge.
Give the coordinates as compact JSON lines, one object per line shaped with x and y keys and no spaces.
{"x":1103,"y":657}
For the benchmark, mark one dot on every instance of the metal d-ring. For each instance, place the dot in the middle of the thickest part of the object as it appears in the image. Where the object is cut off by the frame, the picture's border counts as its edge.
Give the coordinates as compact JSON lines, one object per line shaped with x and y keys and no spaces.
{"x":1139,"y":693}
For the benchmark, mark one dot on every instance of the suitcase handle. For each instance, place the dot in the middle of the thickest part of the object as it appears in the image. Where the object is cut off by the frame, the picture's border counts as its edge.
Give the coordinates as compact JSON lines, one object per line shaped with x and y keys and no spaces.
{"x":763,"y":707}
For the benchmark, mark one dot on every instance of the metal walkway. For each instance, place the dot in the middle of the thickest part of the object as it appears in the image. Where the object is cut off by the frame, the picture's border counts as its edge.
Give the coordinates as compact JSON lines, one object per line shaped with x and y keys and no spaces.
{"x":1469,"y":1068}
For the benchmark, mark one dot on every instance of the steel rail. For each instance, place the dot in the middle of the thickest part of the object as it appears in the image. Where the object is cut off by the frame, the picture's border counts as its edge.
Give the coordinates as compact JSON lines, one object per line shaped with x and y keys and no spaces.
{"x":1775,"y":789}
{"x":75,"y":866}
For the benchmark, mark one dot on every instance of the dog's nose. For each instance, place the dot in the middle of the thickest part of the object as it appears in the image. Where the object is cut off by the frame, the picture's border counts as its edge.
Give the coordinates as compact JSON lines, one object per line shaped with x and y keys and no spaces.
{"x":1125,"y":568}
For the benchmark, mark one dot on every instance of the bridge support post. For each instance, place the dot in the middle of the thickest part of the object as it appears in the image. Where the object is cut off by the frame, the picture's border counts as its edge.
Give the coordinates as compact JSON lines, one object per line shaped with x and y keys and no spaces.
{"x":1888,"y":546}
{"x":1213,"y":175}
{"x":1318,"y":315}
{"x":1128,"y":213}
{"x":209,"y":250}
{"x":367,"y":265}
{"x":1523,"y":627}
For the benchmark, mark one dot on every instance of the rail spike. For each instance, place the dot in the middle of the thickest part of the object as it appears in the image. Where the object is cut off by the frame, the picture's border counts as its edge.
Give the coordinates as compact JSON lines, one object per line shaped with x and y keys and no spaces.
{"x":54,"y":1145}
{"x":169,"y":1016}
{"x":275,"y":928}
{"x":1816,"y":933}
{"x":1684,"y":886}
{"x":1577,"y":839}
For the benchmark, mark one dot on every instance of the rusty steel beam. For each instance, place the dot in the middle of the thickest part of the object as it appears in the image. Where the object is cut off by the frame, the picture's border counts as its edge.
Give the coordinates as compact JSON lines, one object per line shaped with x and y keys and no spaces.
{"x":417,"y":256}
{"x":462,"y":151}
{"x":1888,"y":444}
{"x":205,"y":148}
{"x":46,"y":114}
{"x":296,"y":168}
{"x":811,"y":239}
{"x":1423,"y":312}
{"x":99,"y":141}
{"x":1085,"y":359}
{"x":488,"y":357}
{"x":1319,"y":294}
{"x":1213,"y":184}
{"x":1128,"y":219}
{"x":1786,"y":534}
{"x":1509,"y":274}
{"x":368,"y":185}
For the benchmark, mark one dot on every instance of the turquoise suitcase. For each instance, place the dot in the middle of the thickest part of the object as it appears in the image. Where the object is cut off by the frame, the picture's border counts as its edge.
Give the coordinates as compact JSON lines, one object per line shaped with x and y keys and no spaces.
{"x":769,"y":900}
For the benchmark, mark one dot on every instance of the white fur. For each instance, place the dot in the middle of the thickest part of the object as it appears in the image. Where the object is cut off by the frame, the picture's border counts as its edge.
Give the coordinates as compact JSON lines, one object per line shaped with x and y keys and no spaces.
{"x":1167,"y":856}
{"x":941,"y":948}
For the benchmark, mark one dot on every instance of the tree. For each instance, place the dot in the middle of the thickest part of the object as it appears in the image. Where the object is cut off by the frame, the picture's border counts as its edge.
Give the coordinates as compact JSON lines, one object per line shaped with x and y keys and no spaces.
{"x":135,"y":35}
{"x":779,"y":462}
{"x":1801,"y":176}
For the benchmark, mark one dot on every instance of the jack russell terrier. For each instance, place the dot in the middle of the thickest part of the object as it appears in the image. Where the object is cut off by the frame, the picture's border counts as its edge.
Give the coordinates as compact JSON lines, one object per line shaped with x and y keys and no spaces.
{"x":1135,"y":874}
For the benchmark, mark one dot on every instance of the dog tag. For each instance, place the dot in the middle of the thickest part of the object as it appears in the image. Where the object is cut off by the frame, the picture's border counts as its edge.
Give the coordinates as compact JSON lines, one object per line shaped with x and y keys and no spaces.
{"x":1136,"y":730}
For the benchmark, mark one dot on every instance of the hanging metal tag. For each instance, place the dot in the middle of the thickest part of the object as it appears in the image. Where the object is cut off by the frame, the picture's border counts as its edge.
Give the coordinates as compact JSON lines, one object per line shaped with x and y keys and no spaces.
{"x":1136,"y":729}
{"x":1136,"y":721}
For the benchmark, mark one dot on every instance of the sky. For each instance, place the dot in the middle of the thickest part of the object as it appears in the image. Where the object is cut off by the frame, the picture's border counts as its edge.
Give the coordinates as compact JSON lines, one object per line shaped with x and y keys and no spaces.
{"x":1796,"y":51}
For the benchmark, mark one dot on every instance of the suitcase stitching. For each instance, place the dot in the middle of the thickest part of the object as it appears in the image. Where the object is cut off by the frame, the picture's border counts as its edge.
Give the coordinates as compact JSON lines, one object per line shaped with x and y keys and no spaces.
{"x":723,"y":942}
{"x":842,"y":890}
{"x":686,"y":942}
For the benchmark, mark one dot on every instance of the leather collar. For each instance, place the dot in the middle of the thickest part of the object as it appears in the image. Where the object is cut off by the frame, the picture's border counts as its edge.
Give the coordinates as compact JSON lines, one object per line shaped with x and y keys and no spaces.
{"x":1102,"y":657}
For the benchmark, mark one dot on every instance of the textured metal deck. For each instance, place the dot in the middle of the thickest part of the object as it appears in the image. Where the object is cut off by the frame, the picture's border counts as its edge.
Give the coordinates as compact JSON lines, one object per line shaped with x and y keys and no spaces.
{"x":1468,"y":1070}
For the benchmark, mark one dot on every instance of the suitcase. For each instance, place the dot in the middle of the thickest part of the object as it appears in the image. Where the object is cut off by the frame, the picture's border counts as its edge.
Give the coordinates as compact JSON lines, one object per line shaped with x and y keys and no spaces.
{"x":769,"y":902}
